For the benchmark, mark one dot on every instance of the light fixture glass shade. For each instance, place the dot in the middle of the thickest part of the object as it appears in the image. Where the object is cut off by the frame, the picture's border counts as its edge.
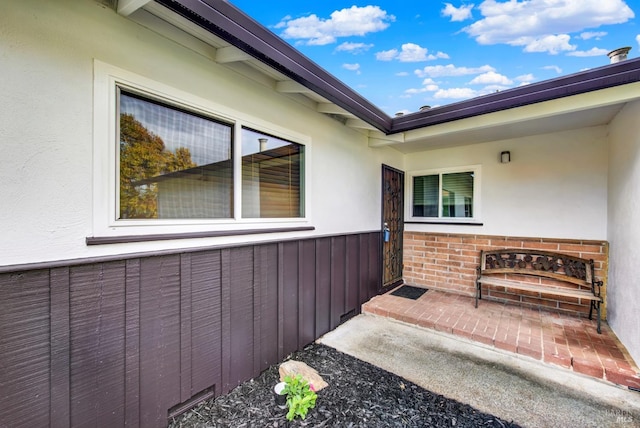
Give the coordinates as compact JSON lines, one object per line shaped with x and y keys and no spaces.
{"x":505,"y":157}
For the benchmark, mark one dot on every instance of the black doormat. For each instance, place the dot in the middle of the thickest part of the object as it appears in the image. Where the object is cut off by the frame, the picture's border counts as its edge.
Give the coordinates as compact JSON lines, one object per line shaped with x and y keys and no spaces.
{"x":409,"y":292}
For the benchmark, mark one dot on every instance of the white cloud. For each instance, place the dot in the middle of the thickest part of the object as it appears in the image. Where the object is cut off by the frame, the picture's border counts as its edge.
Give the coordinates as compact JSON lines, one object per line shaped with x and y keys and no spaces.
{"x":427,"y":88}
{"x":429,"y":85}
{"x":283,"y":21}
{"x":353,"y":48}
{"x":414,"y":91}
{"x":553,"y":67}
{"x":409,"y":52}
{"x":402,"y":74}
{"x":352,"y":67}
{"x":387,"y":55}
{"x":550,"y":44}
{"x":590,"y":52}
{"x":638,"y":39}
{"x":439,"y":55}
{"x":491,"y":78}
{"x":412,"y":53}
{"x":457,"y":13}
{"x":354,"y":21}
{"x":456,"y":93}
{"x":530,"y":22}
{"x":592,"y":35}
{"x":451,"y":70}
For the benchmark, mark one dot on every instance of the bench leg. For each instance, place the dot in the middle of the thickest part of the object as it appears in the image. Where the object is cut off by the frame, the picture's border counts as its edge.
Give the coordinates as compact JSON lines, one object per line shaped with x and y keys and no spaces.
{"x":597,"y":305}
{"x":478,"y":292}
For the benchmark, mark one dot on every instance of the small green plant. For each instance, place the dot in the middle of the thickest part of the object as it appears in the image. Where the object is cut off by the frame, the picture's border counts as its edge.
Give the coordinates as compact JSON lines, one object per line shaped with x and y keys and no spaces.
{"x":300,"y":397}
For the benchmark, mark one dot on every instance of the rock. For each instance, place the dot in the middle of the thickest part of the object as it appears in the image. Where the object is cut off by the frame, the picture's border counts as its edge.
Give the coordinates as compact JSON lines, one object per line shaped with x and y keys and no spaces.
{"x":293,"y":368}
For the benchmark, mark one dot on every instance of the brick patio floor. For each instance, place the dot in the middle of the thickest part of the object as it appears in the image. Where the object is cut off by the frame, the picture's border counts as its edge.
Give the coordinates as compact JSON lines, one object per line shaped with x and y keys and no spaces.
{"x":554,"y":338}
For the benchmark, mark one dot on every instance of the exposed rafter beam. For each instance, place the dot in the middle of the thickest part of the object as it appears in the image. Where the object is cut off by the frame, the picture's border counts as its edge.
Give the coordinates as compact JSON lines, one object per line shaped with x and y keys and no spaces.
{"x":360,"y":124}
{"x":291,"y":87}
{"x":331,"y":108}
{"x":127,"y":7}
{"x":231,"y":54}
{"x":378,"y":139}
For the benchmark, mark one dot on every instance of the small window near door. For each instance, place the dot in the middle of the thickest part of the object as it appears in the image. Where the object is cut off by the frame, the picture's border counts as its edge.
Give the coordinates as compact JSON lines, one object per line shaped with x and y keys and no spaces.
{"x":448,"y":195}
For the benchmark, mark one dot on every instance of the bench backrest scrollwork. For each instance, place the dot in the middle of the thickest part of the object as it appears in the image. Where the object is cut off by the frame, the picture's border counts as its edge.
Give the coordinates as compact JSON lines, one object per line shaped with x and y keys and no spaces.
{"x":538,"y":263}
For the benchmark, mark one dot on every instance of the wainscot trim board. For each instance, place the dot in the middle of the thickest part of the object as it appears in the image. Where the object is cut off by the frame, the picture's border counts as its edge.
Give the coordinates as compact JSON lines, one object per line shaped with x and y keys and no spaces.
{"x":131,"y":341}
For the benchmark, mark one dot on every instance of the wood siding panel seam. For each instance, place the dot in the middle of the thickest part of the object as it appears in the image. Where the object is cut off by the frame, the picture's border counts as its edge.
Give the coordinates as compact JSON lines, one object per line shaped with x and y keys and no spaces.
{"x":258,"y":284}
{"x":186,"y":389}
{"x":301,"y":288}
{"x":363,"y":289}
{"x":338,"y":280}
{"x":332,"y":283}
{"x":323,"y":286}
{"x":280,"y":301}
{"x":307,"y":271}
{"x":60,"y":348}
{"x":375,"y":255}
{"x":132,"y":343}
{"x":225,"y":305}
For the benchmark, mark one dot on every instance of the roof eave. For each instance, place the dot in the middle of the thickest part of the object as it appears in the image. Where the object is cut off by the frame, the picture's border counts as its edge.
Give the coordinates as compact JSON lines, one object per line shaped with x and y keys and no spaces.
{"x":586,"y":81}
{"x":229,"y":23}
{"x":235,"y":27}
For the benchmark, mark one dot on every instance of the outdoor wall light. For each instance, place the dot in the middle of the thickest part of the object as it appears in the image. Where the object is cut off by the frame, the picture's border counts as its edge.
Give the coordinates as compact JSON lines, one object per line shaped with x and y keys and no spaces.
{"x":505,"y":157}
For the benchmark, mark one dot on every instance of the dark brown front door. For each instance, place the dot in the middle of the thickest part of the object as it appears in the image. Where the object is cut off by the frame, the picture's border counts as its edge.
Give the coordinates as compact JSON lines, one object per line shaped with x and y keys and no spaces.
{"x":392,"y":225}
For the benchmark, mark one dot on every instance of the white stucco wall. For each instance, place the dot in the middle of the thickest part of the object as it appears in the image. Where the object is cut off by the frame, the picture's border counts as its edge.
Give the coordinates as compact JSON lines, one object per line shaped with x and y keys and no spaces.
{"x":47,"y":52}
{"x":623,"y":289}
{"x":554,"y":187}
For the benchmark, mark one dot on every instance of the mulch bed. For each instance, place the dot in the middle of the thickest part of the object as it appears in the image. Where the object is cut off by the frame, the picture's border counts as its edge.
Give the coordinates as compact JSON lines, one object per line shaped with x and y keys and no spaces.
{"x":359,"y":395}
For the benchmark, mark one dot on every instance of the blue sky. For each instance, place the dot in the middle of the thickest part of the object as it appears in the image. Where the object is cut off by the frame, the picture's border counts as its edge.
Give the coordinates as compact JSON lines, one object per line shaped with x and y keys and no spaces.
{"x":402,"y":55}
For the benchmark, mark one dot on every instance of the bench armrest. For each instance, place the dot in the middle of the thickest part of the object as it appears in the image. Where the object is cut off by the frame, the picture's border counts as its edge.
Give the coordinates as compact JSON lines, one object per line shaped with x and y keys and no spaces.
{"x":597,"y":285}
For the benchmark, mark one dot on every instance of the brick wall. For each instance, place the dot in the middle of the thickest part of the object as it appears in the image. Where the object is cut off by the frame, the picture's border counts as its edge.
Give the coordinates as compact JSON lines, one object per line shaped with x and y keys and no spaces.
{"x":448,"y":262}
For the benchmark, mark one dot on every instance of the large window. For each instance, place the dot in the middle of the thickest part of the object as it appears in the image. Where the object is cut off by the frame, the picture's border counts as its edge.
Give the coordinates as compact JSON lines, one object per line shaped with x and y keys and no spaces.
{"x":450,"y":195}
{"x":169,"y":162}
{"x":173,"y":164}
{"x":176,"y":164}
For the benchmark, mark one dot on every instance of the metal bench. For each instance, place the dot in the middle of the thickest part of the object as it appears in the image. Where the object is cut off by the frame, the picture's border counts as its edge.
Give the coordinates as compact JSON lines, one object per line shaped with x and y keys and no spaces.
{"x":521,"y":269}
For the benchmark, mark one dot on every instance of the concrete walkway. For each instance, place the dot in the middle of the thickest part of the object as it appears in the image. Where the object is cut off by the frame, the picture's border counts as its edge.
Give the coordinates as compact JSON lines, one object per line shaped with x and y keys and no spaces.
{"x":511,"y":386}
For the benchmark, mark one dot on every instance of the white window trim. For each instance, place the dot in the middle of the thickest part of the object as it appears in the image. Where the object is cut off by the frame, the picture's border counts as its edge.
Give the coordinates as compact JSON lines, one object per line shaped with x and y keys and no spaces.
{"x":105,"y":144}
{"x":477,"y":206}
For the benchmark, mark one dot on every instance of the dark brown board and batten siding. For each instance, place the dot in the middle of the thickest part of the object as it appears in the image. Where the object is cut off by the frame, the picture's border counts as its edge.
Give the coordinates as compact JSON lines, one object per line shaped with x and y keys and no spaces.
{"x":125,"y":342}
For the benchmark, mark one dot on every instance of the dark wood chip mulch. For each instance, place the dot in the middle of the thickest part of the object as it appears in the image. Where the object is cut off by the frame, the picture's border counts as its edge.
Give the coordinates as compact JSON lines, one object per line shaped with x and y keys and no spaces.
{"x":359,"y":395}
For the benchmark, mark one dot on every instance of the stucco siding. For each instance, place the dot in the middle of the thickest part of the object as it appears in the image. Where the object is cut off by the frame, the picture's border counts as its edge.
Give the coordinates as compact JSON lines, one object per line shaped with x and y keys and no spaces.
{"x":46,"y":130}
{"x":554,"y":187}
{"x":624,"y":228}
